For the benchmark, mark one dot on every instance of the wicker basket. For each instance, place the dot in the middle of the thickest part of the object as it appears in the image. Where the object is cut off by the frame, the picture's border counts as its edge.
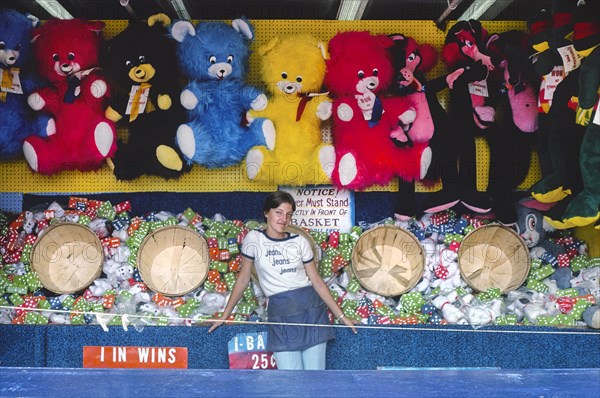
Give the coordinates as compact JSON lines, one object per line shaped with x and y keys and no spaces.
{"x":294,"y":230}
{"x":388,"y":260}
{"x":173,"y":260}
{"x":67,"y":257}
{"x":493,"y":256}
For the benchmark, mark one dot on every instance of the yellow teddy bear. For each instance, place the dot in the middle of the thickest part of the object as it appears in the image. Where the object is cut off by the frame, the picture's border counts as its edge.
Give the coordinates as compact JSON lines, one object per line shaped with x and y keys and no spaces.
{"x":293,"y":68}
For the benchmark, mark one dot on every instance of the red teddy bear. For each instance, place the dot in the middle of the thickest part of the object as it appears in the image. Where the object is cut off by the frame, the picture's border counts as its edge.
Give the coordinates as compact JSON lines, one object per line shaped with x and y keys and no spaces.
{"x":66,"y":53}
{"x":371,"y":133}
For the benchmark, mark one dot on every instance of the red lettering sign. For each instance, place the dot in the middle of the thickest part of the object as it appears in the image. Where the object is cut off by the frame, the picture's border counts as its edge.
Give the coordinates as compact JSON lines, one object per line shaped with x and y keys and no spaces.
{"x":135,"y":357}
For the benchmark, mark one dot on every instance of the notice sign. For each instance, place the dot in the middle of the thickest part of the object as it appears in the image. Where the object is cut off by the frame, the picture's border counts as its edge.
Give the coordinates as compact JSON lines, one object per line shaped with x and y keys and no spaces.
{"x":135,"y":357}
{"x":248,"y":351}
{"x":323,"y":208}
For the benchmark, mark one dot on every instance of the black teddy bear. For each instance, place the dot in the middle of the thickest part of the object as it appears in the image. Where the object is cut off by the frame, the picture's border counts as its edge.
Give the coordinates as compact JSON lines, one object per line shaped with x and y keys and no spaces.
{"x":142,"y":63}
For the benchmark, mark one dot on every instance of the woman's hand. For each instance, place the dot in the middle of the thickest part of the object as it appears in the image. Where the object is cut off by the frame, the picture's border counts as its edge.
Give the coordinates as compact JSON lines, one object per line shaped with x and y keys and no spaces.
{"x":349,"y":322}
{"x":215,"y":324}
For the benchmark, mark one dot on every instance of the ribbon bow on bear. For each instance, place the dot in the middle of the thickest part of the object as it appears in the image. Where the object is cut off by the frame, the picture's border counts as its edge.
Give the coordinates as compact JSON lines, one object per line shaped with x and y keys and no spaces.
{"x":74,"y":85}
{"x":304,"y":98}
{"x":7,"y":82}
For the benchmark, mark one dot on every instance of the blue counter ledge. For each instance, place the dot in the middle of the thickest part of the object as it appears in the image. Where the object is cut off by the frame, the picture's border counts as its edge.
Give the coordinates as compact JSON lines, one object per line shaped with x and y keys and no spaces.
{"x":463,"y":383}
{"x":450,"y":346}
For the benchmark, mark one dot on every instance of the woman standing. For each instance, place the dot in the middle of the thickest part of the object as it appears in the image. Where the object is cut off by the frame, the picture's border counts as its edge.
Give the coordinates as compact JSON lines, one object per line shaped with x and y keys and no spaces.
{"x":289,"y":278}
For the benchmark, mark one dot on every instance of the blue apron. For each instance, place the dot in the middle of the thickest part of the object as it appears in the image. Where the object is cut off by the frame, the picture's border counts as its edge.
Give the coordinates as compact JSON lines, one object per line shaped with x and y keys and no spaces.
{"x":297,"y":306}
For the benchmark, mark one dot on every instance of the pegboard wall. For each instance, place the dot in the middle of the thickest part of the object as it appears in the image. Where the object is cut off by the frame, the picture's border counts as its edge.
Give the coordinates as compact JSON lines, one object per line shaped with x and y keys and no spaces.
{"x":17,"y":177}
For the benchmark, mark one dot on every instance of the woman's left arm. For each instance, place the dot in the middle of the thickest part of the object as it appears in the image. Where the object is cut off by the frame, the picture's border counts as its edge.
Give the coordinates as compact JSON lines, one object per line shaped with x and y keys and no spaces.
{"x":323,"y":291}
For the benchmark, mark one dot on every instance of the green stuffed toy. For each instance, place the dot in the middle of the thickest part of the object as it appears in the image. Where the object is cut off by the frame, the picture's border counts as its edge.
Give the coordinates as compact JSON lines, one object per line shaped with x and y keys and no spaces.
{"x":559,"y":136}
{"x":584,"y":208}
{"x":293,"y":68}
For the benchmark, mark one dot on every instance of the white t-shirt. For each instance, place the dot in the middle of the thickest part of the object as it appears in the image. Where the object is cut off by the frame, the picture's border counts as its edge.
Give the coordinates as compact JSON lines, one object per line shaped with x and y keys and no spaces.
{"x":279,"y":263}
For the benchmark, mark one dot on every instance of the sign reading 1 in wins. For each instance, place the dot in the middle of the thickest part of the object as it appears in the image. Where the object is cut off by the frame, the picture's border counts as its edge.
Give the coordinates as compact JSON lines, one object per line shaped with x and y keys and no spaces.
{"x":323,"y":208}
{"x":135,"y":357}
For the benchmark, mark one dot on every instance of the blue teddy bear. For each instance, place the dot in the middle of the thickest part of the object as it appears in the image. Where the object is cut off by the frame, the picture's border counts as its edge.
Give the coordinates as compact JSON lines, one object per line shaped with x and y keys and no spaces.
{"x":17,"y":121}
{"x":215,"y":57}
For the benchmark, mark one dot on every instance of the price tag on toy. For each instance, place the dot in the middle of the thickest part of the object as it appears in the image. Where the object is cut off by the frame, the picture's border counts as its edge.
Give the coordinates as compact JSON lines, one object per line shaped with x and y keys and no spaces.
{"x":138,"y":98}
{"x":552,"y":80}
{"x":571,"y":59}
{"x":10,"y":81}
{"x":248,"y":351}
{"x":479,"y":88}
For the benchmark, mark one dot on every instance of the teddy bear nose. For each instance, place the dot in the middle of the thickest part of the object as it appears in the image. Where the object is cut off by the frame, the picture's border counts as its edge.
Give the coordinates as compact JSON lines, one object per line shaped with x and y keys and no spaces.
{"x":139,"y":73}
{"x":11,"y":59}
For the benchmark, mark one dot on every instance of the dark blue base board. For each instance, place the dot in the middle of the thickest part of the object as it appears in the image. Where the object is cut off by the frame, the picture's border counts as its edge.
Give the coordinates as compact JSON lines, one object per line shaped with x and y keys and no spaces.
{"x":464,"y":383}
{"x":369,"y":206}
{"x":409,"y":346}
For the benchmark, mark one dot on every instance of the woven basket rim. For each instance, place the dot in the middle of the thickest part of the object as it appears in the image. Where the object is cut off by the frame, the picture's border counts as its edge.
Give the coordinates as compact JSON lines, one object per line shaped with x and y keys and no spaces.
{"x":515,"y":282}
{"x":44,"y":274}
{"x":147,"y":277}
{"x":417,"y":266}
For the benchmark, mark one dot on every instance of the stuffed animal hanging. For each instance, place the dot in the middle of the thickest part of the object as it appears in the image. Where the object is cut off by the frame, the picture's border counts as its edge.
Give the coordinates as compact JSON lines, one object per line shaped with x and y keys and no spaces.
{"x":511,"y":149}
{"x":66,"y":54}
{"x":584,"y":209}
{"x":214,"y":56}
{"x":293,"y":68}
{"x":18,"y":81}
{"x":559,"y":136}
{"x":411,"y":62}
{"x":142,"y":61}
{"x":471,"y":108}
{"x":372,"y":134}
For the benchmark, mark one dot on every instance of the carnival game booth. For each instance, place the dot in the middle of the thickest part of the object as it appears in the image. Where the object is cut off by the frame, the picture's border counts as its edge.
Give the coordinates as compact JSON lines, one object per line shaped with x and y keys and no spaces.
{"x":99,"y":267}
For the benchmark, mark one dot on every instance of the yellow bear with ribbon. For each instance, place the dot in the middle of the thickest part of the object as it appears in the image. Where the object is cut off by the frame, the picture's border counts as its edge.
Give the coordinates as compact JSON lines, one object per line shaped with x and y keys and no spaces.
{"x":293,"y":68}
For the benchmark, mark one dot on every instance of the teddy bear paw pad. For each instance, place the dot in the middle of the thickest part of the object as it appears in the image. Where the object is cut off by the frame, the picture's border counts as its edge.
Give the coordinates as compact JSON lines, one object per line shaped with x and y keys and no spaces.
{"x":425,"y":161}
{"x":408,"y":117}
{"x":168,"y":158}
{"x":268,"y":129}
{"x":30,"y":156}
{"x":327,"y":159}
{"x":98,"y":88}
{"x":347,"y":169}
{"x":254,"y":161}
{"x":36,"y":102}
{"x":50,"y":127}
{"x":186,"y":140}
{"x":103,"y":136}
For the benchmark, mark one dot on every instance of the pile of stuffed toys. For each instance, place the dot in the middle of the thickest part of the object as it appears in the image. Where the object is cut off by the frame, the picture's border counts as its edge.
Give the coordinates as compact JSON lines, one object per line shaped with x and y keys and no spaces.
{"x":562,"y":286}
{"x":179,"y":90}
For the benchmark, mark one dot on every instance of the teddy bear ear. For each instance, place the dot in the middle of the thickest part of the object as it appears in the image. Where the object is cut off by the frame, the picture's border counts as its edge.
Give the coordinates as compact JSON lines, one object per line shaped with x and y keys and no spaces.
{"x":397,"y":37}
{"x":429,"y":57}
{"x":385,"y":41}
{"x":243,"y":27}
{"x":35,"y":21}
{"x":323,"y":47}
{"x":491,"y":40}
{"x":181,"y":29}
{"x":160,"y":17}
{"x":95,"y":26}
{"x":262,"y":50}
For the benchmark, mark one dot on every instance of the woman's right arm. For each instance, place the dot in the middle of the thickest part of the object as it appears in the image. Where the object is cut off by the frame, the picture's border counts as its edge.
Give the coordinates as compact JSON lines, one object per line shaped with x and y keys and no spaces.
{"x":243,"y":278}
